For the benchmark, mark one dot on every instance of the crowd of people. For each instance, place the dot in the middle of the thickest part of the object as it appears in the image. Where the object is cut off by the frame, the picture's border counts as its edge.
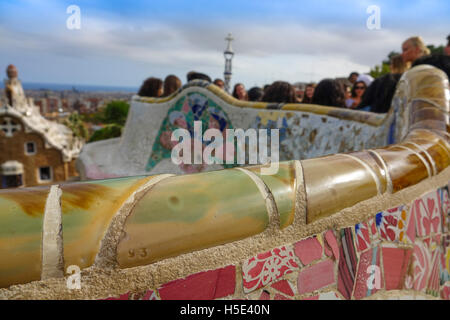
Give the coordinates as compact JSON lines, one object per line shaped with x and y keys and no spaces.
{"x":358,"y":91}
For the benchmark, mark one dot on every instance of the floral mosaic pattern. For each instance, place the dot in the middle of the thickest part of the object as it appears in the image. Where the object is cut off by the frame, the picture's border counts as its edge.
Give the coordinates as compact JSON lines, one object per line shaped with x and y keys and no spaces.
{"x":372,"y":225}
{"x":391,"y":224}
{"x":190,"y":108}
{"x":362,"y":236}
{"x":266,"y":267}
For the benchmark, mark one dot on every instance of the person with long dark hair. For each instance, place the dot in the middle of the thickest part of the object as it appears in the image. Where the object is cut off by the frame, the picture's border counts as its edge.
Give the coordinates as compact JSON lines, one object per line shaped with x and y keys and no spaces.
{"x":329,"y":92}
{"x":379,"y":94}
{"x":239,"y":92}
{"x":280,"y":91}
{"x":309,"y":93}
{"x":171,"y":84}
{"x":255,"y":94}
{"x":152,"y":87}
{"x":356,"y":96}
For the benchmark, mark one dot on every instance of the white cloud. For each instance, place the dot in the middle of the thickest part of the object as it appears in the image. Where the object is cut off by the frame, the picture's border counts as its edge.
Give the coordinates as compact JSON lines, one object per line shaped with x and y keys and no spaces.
{"x":264,"y":51}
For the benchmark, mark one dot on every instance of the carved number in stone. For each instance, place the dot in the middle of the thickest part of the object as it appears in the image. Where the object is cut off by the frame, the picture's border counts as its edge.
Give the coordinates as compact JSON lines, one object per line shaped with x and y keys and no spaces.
{"x":138,"y":253}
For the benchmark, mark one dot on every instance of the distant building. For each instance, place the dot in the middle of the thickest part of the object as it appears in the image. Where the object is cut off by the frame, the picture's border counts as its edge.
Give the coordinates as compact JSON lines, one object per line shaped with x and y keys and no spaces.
{"x":33,"y":150}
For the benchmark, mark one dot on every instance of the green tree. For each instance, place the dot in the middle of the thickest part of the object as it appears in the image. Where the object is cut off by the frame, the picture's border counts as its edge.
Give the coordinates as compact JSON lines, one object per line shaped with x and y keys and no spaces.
{"x":108,"y":132}
{"x":116,"y":112}
{"x":436,"y":50}
{"x":384,"y":68}
{"x":379,"y":71}
{"x":76,"y":124}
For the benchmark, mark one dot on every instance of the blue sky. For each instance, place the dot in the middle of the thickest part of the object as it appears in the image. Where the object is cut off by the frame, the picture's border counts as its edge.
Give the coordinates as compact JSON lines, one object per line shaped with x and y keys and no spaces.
{"x":123,"y":42}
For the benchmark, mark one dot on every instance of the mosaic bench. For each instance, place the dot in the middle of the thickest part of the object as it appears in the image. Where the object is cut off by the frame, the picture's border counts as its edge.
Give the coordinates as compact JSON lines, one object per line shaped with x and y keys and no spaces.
{"x":372,"y":223}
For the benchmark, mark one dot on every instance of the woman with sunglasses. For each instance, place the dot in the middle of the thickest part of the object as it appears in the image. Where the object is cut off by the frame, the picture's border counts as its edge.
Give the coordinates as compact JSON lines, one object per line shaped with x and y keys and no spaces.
{"x":357,"y":92}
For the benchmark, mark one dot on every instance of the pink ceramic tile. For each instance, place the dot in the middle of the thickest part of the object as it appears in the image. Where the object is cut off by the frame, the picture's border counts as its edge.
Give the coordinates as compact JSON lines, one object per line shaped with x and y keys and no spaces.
{"x":445,"y":291}
{"x":311,"y":298}
{"x":433,"y":280}
{"x":409,"y":281}
{"x":427,"y":214}
{"x":330,"y":244}
{"x":316,"y":277}
{"x":436,"y":240}
{"x":410,"y":233}
{"x":280,"y":297}
{"x":267,"y":267}
{"x":362,"y":236}
{"x":348,"y":261}
{"x":125,"y":296}
{"x":396,"y":262}
{"x":308,"y":250}
{"x":264,"y":295}
{"x":369,"y":278}
{"x":372,"y":226}
{"x":206,"y":285}
{"x":421,"y":266}
{"x":284,"y":287}
{"x":427,"y":242}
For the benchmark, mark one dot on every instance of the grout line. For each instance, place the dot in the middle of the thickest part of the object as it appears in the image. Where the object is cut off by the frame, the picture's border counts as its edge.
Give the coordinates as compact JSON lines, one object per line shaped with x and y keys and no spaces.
{"x":390,"y":187}
{"x":107,"y":254}
{"x":52,"y":241}
{"x":301,"y":204}
{"x":371,"y":171}
{"x":425,"y":163}
{"x":430,"y":158}
{"x":271,"y":206}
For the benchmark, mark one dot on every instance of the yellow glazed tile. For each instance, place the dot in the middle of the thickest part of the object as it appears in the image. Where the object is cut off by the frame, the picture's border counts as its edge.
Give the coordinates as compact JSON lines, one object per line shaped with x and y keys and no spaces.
{"x":87,"y":210}
{"x":282,"y":186}
{"x":375,"y":166}
{"x":429,"y":114}
{"x":429,"y":124}
{"x":436,"y":150}
{"x":192,"y":212}
{"x":333,"y":183}
{"x":404,"y":166}
{"x":21,"y":219}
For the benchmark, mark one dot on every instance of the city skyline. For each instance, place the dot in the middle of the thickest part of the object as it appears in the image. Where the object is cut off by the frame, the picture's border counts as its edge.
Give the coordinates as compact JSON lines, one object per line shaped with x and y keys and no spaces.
{"x":120,"y":44}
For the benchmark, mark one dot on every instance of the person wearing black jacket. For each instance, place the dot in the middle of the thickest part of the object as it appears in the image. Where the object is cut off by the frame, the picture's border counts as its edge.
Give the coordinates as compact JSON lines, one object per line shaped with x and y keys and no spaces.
{"x":379,"y":94}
